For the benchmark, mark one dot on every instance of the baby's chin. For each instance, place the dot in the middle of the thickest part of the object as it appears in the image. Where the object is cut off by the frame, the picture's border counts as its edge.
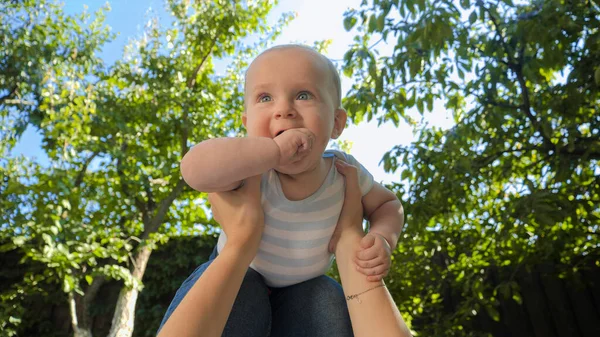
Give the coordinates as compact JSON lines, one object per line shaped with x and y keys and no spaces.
{"x":292,"y":169}
{"x":299,"y":167}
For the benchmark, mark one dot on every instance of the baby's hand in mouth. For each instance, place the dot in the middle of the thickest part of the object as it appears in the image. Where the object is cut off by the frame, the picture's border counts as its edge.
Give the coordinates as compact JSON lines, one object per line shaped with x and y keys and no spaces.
{"x":294,"y":144}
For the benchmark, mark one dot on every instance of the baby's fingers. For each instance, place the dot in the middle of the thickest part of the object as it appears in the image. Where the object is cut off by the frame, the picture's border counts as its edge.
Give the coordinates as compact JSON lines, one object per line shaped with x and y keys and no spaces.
{"x":376,"y":271}
{"x":375,"y":278}
{"x":370,"y":263}
{"x":367,"y":254}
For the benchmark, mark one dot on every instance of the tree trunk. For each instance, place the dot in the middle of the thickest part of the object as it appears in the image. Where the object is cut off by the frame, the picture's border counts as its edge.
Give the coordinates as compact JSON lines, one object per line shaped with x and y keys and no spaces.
{"x":77,"y":330}
{"x":124,"y":316}
{"x":81,"y":332}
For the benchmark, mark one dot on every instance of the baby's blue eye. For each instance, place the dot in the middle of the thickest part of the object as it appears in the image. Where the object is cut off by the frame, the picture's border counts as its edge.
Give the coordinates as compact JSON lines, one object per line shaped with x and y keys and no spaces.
{"x":264,"y":98}
{"x":304,"y":95}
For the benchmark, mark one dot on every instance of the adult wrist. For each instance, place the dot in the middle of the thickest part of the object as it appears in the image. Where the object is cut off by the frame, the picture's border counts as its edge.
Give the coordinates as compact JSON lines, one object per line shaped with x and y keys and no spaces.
{"x":245,"y":250}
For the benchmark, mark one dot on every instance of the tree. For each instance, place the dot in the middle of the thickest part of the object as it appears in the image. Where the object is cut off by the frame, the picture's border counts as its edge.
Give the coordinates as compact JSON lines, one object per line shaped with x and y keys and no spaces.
{"x":515,"y":181}
{"x":114,"y":137}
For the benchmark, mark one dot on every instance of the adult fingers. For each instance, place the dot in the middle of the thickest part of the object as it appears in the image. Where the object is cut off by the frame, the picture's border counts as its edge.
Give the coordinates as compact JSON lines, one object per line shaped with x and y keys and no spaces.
{"x":352,"y":188}
{"x":334,"y":239}
{"x":352,"y":209}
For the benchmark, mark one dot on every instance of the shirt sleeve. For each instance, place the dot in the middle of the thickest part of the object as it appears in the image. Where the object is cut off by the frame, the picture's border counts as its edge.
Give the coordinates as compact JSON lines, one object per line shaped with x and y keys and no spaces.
{"x":365,"y":178}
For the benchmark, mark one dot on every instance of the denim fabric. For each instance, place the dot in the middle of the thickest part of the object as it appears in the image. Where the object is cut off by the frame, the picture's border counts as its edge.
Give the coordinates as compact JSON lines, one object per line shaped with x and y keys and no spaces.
{"x":313,"y":308}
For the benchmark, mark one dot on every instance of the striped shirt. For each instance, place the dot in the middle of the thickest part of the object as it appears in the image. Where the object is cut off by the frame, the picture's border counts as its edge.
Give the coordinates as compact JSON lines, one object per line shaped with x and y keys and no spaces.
{"x":295,"y":241}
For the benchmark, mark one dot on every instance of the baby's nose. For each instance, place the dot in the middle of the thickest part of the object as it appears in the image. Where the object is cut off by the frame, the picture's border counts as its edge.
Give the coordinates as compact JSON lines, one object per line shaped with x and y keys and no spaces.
{"x":285,"y":112}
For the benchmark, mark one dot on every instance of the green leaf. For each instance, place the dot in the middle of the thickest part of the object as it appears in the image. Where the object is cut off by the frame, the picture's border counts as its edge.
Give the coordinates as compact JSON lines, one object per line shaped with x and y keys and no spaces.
{"x":66,"y":204}
{"x":494,"y":314}
{"x":54,"y":230}
{"x":381,"y":22}
{"x":19,"y":240}
{"x":517,"y":297}
{"x":597,"y":76}
{"x":68,"y":284}
{"x":473,"y":17}
{"x":372,"y":23}
{"x":349,"y":22}
{"x":89,"y":279}
{"x":420,"y":107}
{"x":47,"y":238}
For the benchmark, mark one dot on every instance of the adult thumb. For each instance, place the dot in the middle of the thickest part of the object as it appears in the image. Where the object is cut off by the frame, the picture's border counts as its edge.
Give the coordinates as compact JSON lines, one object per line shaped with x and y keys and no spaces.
{"x":334,"y":239}
{"x":352,"y":193}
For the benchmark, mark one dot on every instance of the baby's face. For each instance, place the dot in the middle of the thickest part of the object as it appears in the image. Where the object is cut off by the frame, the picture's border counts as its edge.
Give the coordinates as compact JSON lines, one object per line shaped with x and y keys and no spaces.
{"x":292,"y":88}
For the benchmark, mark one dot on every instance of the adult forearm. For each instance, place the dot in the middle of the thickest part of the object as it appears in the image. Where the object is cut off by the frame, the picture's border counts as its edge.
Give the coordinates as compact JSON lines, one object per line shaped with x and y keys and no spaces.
{"x":387,"y":221}
{"x":373,"y":311}
{"x":220,"y":164}
{"x":206,"y":307}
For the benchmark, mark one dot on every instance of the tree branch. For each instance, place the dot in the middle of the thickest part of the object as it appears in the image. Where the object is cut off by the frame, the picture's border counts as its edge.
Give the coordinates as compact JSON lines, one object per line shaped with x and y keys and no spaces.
{"x":81,"y":174}
{"x":88,"y":299}
{"x":10,"y":93}
{"x":516,"y":67}
{"x":152,"y":226}
{"x":490,"y":158}
{"x":500,"y":36}
{"x":192,"y":79}
{"x":502,"y":104}
{"x":150,"y":202}
{"x":125,"y":187}
{"x":184,"y":132}
{"x":191,"y":82}
{"x":526,"y":106}
{"x":584,"y":146}
{"x":73,"y":311}
{"x":19,"y":102}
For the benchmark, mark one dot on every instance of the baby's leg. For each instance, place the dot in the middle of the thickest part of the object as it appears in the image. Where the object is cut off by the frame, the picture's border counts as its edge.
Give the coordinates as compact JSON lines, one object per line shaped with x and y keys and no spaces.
{"x":251,"y":313}
{"x":316,"y":307}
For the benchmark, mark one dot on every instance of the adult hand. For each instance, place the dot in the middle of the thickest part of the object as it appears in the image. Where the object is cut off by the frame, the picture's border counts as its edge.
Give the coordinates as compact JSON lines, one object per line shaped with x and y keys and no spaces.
{"x":240,"y":214}
{"x":350,"y":220}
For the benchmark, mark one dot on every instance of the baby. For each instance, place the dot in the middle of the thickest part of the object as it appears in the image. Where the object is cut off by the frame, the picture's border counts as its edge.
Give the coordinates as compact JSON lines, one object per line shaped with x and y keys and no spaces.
{"x":292,"y":110}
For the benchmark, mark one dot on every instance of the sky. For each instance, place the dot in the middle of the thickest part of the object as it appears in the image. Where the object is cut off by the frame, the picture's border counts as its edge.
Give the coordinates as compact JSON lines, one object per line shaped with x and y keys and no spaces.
{"x":315,"y":20}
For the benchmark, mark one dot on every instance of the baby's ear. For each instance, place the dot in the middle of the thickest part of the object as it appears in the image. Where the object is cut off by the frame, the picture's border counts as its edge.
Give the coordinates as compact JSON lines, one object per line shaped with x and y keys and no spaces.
{"x":339,"y":123}
{"x":244,"y":118}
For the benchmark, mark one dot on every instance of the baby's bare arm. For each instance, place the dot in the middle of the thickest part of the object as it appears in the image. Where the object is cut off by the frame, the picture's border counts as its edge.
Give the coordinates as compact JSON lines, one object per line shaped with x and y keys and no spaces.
{"x":220,"y":164}
{"x":385,"y":213}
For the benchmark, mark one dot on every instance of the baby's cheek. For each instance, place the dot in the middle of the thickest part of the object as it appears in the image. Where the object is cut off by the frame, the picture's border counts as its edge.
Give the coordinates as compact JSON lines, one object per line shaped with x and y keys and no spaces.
{"x":258,"y":128}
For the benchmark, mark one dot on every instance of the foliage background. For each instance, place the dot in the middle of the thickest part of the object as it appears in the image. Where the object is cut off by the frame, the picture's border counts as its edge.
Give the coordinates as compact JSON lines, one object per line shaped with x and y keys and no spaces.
{"x":502,"y":208}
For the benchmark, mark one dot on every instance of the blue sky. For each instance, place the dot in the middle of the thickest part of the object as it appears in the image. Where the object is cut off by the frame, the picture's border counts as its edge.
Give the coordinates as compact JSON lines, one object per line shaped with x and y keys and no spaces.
{"x":316,"y":20}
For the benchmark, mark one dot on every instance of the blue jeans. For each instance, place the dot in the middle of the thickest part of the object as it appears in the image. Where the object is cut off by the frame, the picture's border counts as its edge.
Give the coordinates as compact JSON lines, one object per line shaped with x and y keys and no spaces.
{"x":314,"y":308}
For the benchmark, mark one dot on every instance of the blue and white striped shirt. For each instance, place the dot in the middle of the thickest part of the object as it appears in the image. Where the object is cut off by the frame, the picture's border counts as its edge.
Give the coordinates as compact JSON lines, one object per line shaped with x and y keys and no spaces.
{"x":294,"y":245}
